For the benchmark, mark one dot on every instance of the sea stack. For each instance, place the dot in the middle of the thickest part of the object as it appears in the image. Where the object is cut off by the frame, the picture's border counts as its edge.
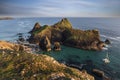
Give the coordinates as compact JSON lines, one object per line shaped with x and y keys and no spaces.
{"x":57,"y":46}
{"x":45,"y":44}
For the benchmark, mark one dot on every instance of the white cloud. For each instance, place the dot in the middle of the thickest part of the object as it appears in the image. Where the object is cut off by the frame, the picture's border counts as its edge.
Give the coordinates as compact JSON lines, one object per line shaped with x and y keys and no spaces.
{"x":58,"y":8}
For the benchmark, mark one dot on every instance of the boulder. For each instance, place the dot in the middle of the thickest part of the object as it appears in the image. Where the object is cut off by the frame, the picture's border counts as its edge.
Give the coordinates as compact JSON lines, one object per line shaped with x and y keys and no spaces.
{"x":57,"y":46}
{"x":100,"y":45}
{"x":98,"y":72}
{"x":36,"y":27}
{"x":45,"y":44}
{"x":107,"y":41}
{"x":20,"y":37}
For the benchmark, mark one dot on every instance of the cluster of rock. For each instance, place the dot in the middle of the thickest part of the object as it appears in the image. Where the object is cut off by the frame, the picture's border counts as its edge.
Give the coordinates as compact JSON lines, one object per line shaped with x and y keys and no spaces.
{"x":45,"y":45}
{"x":4,"y":45}
{"x":62,"y":32}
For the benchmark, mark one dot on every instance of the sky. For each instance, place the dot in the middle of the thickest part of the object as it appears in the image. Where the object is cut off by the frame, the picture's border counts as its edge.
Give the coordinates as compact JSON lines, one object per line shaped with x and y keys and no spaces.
{"x":60,"y":8}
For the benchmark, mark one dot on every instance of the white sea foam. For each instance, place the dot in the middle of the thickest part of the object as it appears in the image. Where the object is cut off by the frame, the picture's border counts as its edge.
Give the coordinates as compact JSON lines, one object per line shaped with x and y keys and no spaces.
{"x":118,"y":38}
{"x":112,"y":38}
{"x":105,"y":48}
{"x":21,"y":24}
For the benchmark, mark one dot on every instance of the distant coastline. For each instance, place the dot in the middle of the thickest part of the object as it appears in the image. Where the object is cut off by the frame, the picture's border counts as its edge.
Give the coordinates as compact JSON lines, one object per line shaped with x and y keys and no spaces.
{"x":6,"y":18}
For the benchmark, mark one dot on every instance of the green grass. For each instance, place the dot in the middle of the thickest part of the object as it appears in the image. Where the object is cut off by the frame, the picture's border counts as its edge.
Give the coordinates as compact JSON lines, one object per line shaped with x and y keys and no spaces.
{"x":42,"y":29}
{"x":63,"y":24}
{"x":43,"y":66}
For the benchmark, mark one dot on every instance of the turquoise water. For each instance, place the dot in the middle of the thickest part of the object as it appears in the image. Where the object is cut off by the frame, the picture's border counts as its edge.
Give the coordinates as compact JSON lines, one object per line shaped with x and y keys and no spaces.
{"x":108,"y":27}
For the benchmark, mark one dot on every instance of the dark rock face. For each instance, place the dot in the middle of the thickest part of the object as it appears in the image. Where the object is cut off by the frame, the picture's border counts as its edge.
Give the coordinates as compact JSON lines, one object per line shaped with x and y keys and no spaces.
{"x":100,"y":45}
{"x":56,"y":35}
{"x":45,"y":44}
{"x":98,"y":72}
{"x":36,"y":27}
{"x":20,"y":37}
{"x":107,"y":41}
{"x":57,"y":46}
{"x":89,"y":39}
{"x":34,"y":39}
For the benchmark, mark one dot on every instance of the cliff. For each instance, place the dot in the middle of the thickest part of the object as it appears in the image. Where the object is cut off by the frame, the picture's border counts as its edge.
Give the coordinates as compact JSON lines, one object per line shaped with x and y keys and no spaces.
{"x":15,"y":65}
{"x":64,"y":33}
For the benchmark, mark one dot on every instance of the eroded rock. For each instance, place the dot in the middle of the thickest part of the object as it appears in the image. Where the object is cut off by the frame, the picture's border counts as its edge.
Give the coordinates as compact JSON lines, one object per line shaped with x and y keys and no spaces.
{"x":98,"y":72}
{"x":107,"y":41}
{"x":57,"y":46}
{"x":45,"y":44}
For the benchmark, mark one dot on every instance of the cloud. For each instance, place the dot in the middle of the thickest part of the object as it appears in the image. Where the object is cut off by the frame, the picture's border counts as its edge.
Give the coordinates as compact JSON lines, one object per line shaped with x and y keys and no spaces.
{"x":58,"y":8}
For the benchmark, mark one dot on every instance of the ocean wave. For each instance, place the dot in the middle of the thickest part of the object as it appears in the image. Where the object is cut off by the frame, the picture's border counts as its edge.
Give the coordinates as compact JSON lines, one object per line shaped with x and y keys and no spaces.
{"x":21,"y":24}
{"x":118,"y":38}
{"x":111,"y":38}
{"x":108,"y":46}
{"x":105,"y":48}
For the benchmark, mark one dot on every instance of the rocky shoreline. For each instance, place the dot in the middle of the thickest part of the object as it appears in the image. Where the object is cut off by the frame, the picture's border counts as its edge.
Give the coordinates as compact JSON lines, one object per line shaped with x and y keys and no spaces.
{"x":47,"y":38}
{"x":17,"y":63}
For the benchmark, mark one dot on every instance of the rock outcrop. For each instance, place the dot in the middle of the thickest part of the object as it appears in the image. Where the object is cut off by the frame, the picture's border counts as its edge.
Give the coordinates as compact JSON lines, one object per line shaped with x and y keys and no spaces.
{"x":35,"y":28}
{"x":107,"y":41}
{"x":38,"y":34}
{"x":45,"y":44}
{"x":98,"y":72}
{"x":4,"y":45}
{"x":82,"y":39}
{"x":20,"y":37}
{"x":57,"y":46}
{"x":10,"y":46}
{"x":64,"y":33}
{"x":63,"y":24}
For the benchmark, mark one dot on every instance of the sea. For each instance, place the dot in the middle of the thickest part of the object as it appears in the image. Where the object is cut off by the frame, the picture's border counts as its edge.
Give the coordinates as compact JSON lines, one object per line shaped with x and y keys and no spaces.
{"x":109,"y":28}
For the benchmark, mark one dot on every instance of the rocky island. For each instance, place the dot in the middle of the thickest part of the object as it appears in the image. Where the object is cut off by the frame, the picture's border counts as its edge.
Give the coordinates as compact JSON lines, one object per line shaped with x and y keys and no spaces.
{"x":6,"y":18}
{"x":64,"y":33}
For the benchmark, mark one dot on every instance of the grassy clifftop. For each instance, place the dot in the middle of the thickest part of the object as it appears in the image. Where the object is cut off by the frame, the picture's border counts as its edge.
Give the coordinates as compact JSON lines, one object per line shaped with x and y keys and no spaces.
{"x":27,"y":66}
{"x":63,"y":24}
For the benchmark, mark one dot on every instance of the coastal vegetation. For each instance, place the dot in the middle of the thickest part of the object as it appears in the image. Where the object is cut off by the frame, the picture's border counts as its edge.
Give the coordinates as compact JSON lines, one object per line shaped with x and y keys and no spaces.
{"x":21,"y":65}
